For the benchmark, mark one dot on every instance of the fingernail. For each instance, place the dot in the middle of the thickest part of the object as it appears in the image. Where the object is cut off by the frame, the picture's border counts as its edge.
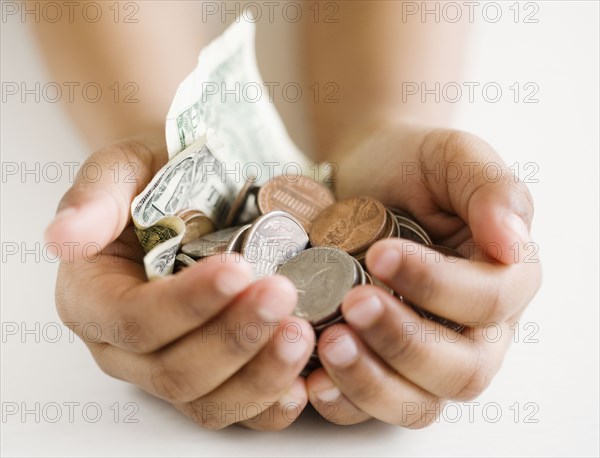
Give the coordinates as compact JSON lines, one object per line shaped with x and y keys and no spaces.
{"x":326,"y":391}
{"x":386,"y":263}
{"x":328,"y":395}
{"x":295,"y":394}
{"x":341,"y":353}
{"x":65,"y":213}
{"x":364,"y":312}
{"x":518,"y":227}
{"x":276,"y":300}
{"x":230,"y":282}
{"x":291,"y":349}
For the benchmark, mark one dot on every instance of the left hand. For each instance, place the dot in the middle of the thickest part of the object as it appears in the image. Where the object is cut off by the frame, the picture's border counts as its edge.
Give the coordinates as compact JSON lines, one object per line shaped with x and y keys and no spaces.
{"x":387,"y":362}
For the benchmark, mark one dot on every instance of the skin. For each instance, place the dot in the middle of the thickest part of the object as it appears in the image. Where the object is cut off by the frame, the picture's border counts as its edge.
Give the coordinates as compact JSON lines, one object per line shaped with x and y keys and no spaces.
{"x":373,"y":366}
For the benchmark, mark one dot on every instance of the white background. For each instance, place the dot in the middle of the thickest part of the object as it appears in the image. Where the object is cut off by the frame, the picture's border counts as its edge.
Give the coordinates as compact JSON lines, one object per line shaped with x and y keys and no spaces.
{"x":558,"y":374}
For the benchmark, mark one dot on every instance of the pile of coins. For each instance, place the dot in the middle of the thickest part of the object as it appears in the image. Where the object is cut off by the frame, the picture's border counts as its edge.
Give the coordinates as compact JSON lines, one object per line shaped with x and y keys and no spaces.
{"x":294,"y":227}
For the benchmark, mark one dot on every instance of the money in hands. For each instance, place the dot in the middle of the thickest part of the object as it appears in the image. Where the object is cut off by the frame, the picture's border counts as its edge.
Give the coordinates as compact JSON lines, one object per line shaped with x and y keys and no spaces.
{"x":294,"y":227}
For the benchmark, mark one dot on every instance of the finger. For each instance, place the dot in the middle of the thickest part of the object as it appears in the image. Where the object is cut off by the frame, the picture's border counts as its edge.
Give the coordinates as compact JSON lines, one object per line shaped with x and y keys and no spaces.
{"x":328,"y":400}
{"x":199,"y":362}
{"x":370,"y":384}
{"x":260,"y":383}
{"x":445,"y":363}
{"x":284,"y":412}
{"x":483,"y":192}
{"x":95,"y":210}
{"x":140,"y":316}
{"x":462,"y":290}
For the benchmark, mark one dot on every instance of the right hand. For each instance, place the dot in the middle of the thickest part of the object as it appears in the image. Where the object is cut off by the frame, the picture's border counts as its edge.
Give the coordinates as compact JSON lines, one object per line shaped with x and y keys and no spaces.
{"x":218,"y":348}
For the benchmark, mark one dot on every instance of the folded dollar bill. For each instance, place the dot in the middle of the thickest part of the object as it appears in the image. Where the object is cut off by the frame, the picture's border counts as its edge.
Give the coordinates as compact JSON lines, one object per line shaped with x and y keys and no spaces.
{"x":213,"y":130}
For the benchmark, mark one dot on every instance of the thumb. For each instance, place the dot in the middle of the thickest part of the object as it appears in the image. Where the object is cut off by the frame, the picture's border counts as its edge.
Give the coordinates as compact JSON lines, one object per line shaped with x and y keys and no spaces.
{"x":95,"y":210}
{"x":497,"y":208}
{"x":499,"y":215}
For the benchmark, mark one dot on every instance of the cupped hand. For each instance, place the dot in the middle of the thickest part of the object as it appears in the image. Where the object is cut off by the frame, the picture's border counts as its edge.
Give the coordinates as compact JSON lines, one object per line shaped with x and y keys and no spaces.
{"x":388,"y":362}
{"x":218,"y":348}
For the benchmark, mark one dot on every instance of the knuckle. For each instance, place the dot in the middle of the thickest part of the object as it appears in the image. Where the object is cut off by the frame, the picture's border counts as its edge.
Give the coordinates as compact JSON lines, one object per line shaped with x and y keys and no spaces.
{"x":239,"y":346}
{"x":268,"y":426}
{"x":272,"y":420}
{"x":171,"y":384}
{"x":478,"y":379}
{"x":420,"y":280}
{"x":61,"y":297}
{"x":402,"y":350}
{"x":140,"y":345}
{"x":206,"y":416}
{"x":497,"y":308}
{"x":522,"y":201}
{"x":102,"y":356}
{"x":269,"y":384}
{"x":425,"y":416}
{"x":365,"y":390}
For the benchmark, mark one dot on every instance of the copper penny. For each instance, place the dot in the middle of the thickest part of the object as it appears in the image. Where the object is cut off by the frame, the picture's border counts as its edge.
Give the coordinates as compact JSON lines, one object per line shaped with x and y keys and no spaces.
{"x":391,"y":230}
{"x":351,"y":225}
{"x":300,"y":196}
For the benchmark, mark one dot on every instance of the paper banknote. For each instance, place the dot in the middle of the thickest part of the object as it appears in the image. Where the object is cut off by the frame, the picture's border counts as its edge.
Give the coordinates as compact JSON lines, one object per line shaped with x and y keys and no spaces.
{"x":213,"y":130}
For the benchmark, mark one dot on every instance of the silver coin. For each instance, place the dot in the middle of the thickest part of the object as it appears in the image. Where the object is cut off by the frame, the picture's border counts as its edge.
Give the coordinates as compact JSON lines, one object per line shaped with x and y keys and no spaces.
{"x":322,"y":277}
{"x":373,"y":280}
{"x":396,"y":231}
{"x":360,"y":277}
{"x":409,"y":232}
{"x":250,"y":211}
{"x":210,"y":244}
{"x":182,"y":261}
{"x":413,"y":227}
{"x":235,"y":242}
{"x":338,"y":318}
{"x":273,"y":239}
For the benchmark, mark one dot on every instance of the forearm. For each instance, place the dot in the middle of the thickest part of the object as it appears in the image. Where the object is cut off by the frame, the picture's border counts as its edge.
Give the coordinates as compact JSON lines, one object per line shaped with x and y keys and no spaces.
{"x":136,"y":65}
{"x":369,"y":53}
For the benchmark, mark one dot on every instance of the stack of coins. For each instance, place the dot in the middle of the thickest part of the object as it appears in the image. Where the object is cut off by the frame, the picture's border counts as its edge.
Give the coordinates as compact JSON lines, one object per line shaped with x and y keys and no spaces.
{"x":322,"y":276}
{"x":294,"y":227}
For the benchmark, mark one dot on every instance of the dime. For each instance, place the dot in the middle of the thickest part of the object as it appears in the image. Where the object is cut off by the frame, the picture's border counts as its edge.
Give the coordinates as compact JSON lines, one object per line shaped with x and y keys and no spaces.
{"x":238,"y":205}
{"x":409,"y":232}
{"x":182,"y":261}
{"x":210,"y":244}
{"x":373,"y":280}
{"x":351,"y":225}
{"x":396,"y":226}
{"x":273,"y":239}
{"x":300,"y":196}
{"x":360,"y":277}
{"x":197,"y":224}
{"x":322,"y":277}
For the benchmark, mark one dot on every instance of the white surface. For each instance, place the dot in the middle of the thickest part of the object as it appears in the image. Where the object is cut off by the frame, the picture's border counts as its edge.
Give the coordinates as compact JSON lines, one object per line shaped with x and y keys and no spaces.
{"x":559,"y":373}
